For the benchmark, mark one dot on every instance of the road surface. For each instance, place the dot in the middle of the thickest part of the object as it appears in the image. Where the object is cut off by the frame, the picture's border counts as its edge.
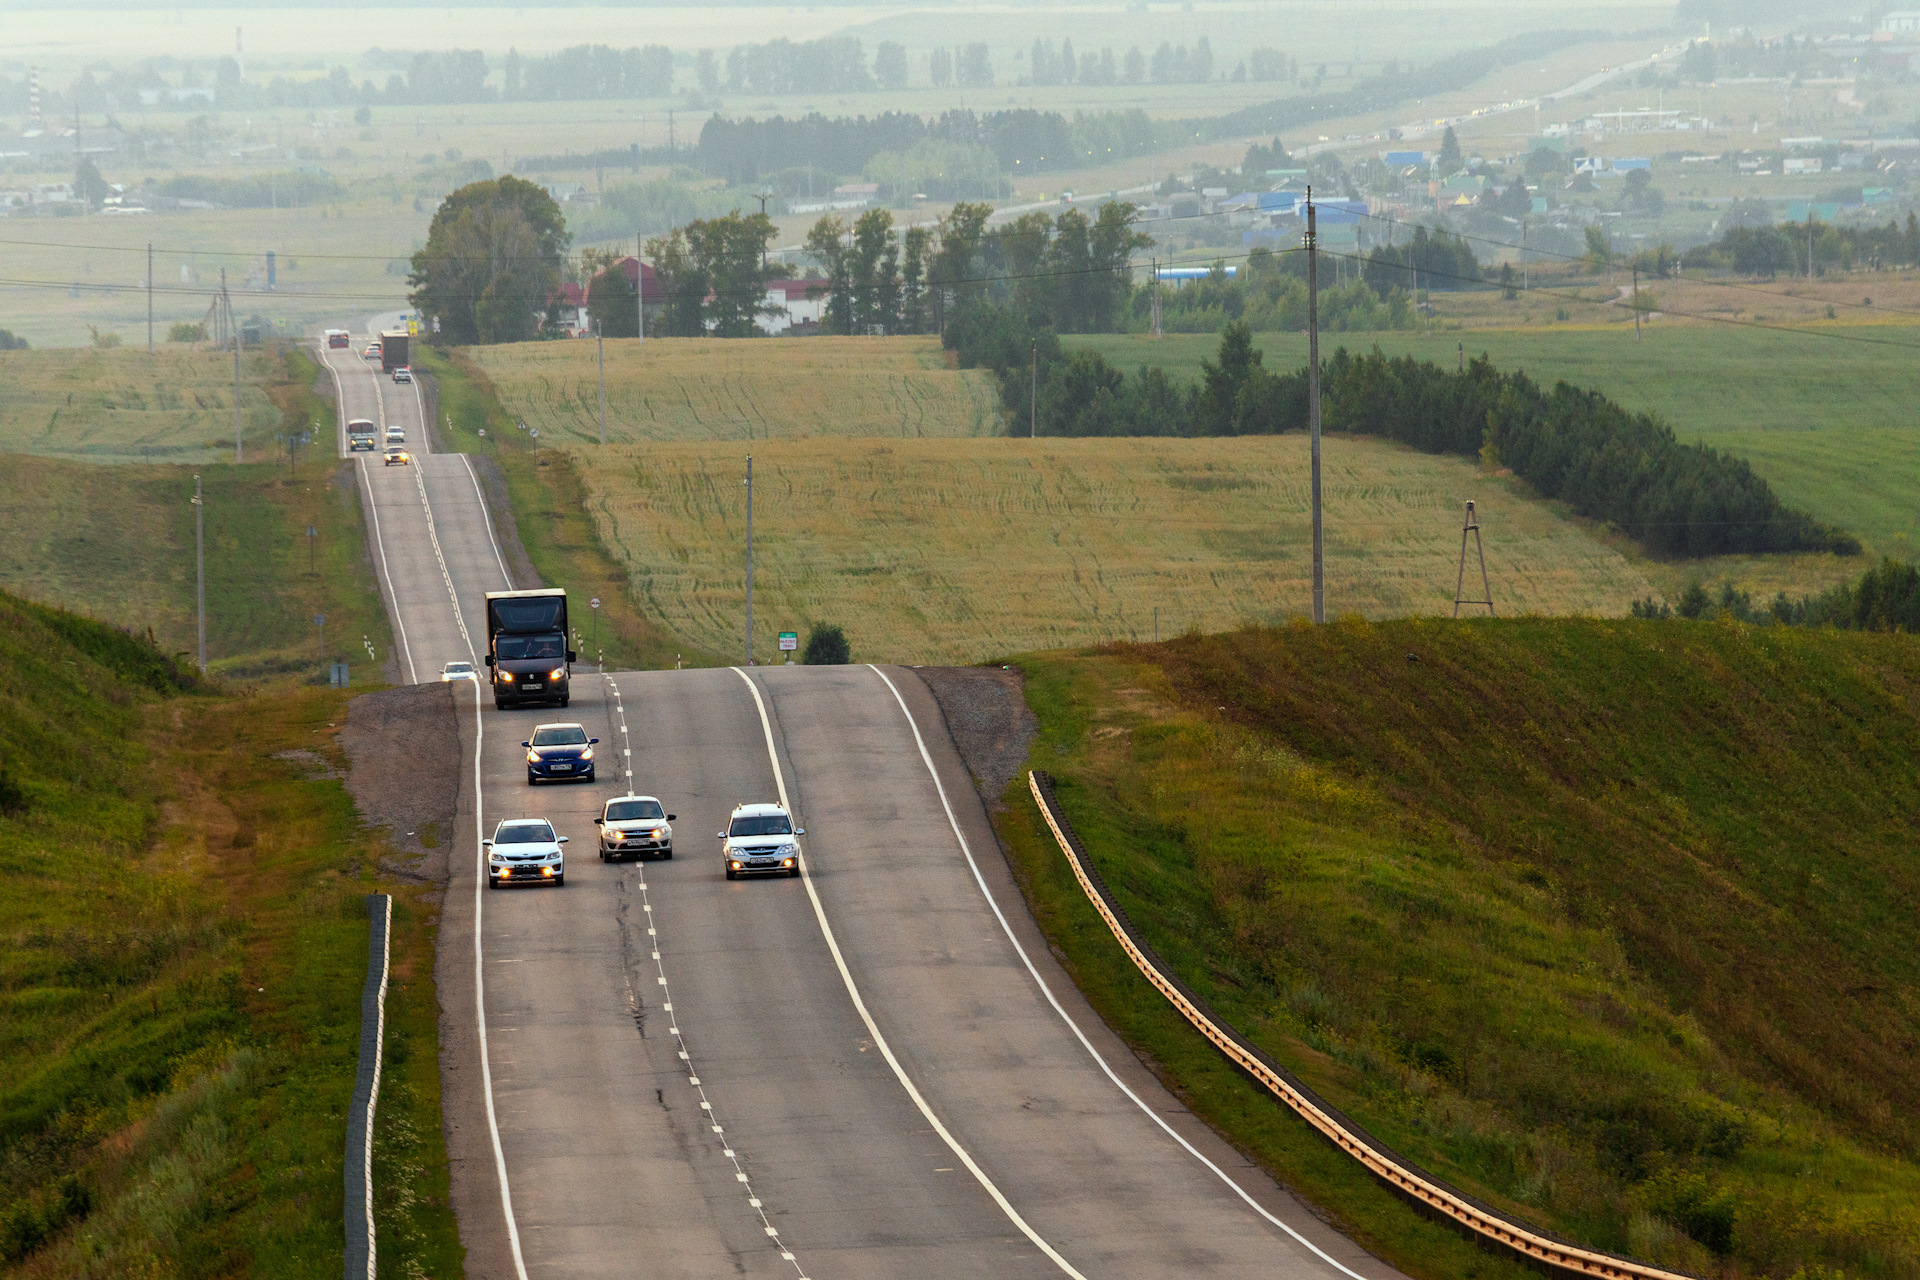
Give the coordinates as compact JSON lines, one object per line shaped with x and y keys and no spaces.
{"x":876,"y":1070}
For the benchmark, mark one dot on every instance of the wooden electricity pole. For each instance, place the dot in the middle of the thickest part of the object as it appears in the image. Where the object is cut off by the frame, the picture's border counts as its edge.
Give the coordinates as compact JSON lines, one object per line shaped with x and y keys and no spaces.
{"x":1313,"y":405}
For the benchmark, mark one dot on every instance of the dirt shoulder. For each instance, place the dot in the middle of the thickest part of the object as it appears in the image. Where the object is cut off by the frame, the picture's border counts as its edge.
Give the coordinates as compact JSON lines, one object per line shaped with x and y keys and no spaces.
{"x":986,"y":712}
{"x":405,"y":747}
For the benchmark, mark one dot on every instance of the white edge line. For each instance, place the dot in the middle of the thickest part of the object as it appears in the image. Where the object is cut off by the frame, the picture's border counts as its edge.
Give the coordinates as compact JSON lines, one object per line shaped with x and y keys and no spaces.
{"x":873,"y":1029}
{"x":480,"y":990}
{"x":373,"y":509}
{"x":487,"y":515}
{"x":379,"y":1051}
{"x":1155,"y":1116}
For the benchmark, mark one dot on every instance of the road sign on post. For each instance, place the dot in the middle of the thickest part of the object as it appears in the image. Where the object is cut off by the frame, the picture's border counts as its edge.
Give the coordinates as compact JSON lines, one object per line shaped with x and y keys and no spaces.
{"x":594,"y":604}
{"x":789,"y":641}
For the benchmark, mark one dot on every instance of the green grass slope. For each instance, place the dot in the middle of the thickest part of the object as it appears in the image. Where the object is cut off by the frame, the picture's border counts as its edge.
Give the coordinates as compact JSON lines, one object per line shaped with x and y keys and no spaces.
{"x":1611,"y":923}
{"x":182,"y":945}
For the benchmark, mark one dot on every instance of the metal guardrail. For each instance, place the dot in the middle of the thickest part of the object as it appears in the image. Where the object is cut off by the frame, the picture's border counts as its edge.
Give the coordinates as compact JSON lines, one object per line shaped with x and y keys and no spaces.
{"x":360,"y":1256}
{"x":1486,"y":1224}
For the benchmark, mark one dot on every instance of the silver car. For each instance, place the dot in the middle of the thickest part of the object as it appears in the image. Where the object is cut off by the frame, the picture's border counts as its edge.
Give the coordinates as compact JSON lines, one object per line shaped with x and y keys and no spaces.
{"x":760,"y":841}
{"x":525,"y":851}
{"x":634,"y":827}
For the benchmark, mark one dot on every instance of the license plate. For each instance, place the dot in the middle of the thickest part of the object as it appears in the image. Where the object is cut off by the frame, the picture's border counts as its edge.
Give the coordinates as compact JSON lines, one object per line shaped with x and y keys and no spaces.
{"x":532,"y":685}
{"x":561,"y":768}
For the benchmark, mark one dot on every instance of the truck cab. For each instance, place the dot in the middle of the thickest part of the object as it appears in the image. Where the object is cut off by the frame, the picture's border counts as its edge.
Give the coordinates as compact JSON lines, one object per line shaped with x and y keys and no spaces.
{"x":527,"y":655}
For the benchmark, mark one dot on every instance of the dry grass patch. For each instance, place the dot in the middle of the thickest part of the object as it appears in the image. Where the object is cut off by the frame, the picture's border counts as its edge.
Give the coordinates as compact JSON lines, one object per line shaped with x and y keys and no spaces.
{"x":962,"y":550}
{"x":720,"y":389}
{"x":123,"y":405}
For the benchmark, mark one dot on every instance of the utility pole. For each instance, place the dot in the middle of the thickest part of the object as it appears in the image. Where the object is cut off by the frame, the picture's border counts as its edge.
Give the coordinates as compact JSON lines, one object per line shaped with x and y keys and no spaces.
{"x":639,"y":289}
{"x":1526,"y":275}
{"x":237,"y":458}
{"x":1636,"y":301}
{"x":149,"y":297}
{"x":1809,"y":247}
{"x":749,"y":559}
{"x":1313,"y":403}
{"x":200,"y":567}
{"x":600,"y":345}
{"x":1033,"y":419}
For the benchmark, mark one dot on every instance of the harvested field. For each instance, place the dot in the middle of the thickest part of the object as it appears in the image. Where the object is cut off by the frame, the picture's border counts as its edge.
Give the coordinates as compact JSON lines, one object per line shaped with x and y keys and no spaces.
{"x":962,"y":550}
{"x":720,"y":389}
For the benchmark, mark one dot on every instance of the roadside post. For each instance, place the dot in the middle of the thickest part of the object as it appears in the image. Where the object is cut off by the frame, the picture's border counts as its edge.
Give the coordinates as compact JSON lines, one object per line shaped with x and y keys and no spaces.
{"x":594,"y":604}
{"x":313,"y":565}
{"x":789,"y":641}
{"x":320,"y":623}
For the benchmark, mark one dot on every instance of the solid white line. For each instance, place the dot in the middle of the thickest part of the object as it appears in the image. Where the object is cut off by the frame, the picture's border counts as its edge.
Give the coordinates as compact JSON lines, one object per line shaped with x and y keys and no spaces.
{"x":488,"y":517}
{"x":480,"y":988}
{"x":873,"y":1029}
{"x":980,"y":880}
{"x":373,"y":1097}
{"x":373,"y":509}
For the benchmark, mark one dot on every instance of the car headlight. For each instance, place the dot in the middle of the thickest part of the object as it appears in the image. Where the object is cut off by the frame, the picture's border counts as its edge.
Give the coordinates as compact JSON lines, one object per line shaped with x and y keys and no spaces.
{"x":790,"y":848}
{"x":735,"y":864}
{"x":558,"y":673}
{"x":587,"y":754}
{"x":506,"y":677}
{"x":533,"y":757}
{"x":496,"y":858}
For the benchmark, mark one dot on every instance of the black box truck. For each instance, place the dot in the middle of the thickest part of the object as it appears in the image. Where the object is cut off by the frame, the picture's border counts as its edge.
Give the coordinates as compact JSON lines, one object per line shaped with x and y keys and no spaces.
{"x":393,"y":350}
{"x":527,"y":655}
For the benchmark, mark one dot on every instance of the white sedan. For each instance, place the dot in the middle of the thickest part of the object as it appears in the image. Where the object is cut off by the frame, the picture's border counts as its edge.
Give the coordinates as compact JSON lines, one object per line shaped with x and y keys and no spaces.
{"x":525,"y":851}
{"x":457,"y":671}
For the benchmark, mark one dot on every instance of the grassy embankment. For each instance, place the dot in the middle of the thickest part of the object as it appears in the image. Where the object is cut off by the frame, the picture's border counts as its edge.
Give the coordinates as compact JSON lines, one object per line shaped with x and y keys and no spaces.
{"x":717,"y":389}
{"x":185,"y":945}
{"x":117,"y":542}
{"x":1609,"y":923}
{"x":1825,"y":421}
{"x":548,"y":495}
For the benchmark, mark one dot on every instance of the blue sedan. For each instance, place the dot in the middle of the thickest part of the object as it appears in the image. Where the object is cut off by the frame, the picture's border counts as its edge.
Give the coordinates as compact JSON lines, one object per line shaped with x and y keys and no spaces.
{"x":559,"y":753}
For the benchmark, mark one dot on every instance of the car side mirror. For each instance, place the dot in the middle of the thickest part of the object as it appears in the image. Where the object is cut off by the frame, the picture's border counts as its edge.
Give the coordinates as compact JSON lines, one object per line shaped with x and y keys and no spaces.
{"x":488,"y":844}
{"x":489,"y":659}
{"x":799,"y":831}
{"x":572,"y":657}
{"x":561,"y":840}
{"x":526,"y":744}
{"x":721,"y":834}
{"x":598,"y":821}
{"x":673,"y":817}
{"x":591,"y":741}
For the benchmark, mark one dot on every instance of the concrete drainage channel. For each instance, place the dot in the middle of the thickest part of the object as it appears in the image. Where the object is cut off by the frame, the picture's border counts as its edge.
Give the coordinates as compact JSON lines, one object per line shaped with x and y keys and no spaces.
{"x":366,"y":1092}
{"x":1407,"y":1180}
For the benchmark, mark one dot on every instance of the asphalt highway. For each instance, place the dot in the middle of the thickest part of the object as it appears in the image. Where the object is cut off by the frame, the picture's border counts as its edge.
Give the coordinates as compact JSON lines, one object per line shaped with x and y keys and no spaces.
{"x":875,"y":1070}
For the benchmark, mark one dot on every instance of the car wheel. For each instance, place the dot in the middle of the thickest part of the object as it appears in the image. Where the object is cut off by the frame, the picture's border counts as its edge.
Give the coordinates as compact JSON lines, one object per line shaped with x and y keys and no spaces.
{"x":603,"y":855}
{"x":668,"y":855}
{"x":493,"y":882}
{"x":563,"y":702}
{"x":531,"y":779}
{"x":732,"y":874}
{"x":793,"y":873}
{"x":559,"y":880}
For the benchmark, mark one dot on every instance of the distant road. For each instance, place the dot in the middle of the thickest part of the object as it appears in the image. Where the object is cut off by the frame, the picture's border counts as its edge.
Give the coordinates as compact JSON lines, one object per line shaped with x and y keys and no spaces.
{"x":925,"y":1095}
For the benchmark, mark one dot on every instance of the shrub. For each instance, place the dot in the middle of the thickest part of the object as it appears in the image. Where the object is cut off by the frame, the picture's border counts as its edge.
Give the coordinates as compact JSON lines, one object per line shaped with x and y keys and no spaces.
{"x":827,"y":647}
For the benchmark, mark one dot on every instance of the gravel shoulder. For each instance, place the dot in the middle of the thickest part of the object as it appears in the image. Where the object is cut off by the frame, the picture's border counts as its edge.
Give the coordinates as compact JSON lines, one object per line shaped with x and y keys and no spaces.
{"x":405,"y":747}
{"x":987,"y":715}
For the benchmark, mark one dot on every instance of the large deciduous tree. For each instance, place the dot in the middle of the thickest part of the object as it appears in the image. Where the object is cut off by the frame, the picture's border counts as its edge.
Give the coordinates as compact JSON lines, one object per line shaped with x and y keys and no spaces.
{"x":493,"y":258}
{"x":715,"y":273}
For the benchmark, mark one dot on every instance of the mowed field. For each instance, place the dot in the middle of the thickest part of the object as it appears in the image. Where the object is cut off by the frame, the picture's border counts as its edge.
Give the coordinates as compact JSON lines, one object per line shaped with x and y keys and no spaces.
{"x":965,"y":550}
{"x":122,"y":405}
{"x":719,"y":389}
{"x":1827,"y":420}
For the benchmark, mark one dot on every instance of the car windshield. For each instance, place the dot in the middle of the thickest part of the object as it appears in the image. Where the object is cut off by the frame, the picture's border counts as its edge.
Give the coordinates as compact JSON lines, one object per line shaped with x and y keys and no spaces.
{"x":528,"y":647}
{"x":523,"y":833}
{"x":765,"y":824}
{"x":635,"y":811}
{"x":459,"y":666}
{"x":564,"y":735}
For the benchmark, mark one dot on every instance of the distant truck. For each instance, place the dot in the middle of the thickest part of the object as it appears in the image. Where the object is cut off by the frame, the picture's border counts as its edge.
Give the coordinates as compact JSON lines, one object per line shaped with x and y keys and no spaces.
{"x":360,"y":435}
{"x":527,"y":652}
{"x":393,"y":350}
{"x":339,"y":338}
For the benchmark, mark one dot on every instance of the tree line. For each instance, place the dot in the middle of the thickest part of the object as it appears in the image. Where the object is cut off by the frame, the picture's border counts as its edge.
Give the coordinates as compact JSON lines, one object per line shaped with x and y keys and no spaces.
{"x":1885,"y":598}
{"x":1570,"y":444}
{"x":1783,"y":248}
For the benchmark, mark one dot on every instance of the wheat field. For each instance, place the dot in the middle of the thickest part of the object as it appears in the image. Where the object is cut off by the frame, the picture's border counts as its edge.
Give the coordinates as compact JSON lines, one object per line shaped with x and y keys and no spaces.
{"x":123,"y":405}
{"x":719,"y":389}
{"x":966,"y":550}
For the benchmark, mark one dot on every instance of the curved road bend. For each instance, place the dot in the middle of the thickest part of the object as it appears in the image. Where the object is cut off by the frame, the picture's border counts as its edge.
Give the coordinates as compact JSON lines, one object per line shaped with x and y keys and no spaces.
{"x":785,"y":1143}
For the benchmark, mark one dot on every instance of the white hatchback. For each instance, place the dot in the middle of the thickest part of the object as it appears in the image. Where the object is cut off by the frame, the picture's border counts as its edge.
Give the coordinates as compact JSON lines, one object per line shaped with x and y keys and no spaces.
{"x":525,"y":851}
{"x":457,"y":671}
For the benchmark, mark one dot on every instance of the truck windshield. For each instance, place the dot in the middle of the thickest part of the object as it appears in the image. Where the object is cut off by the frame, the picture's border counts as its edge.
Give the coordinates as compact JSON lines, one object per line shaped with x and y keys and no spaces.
{"x":529,"y":647}
{"x":635,"y":811}
{"x":767,"y":824}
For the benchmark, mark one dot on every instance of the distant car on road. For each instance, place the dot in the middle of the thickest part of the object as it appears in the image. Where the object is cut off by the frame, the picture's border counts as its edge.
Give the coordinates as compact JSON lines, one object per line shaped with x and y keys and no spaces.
{"x":560,"y":752}
{"x":634,"y":827}
{"x":339,"y":338}
{"x":372,"y":352}
{"x":397,"y":456}
{"x":525,"y":851}
{"x":403,"y":374}
{"x":456,"y":671}
{"x":361,"y":434}
{"x":396,"y":435}
{"x":759,"y":841}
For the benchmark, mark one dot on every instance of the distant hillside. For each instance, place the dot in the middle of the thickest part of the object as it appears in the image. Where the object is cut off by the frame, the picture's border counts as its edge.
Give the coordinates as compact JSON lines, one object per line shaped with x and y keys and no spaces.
{"x":1614,"y":924}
